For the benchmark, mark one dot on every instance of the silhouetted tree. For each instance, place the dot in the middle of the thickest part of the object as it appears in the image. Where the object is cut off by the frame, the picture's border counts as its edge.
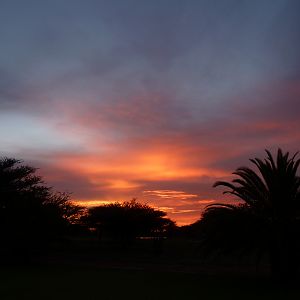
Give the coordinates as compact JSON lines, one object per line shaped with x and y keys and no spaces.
{"x":30,"y":210}
{"x":128,"y":220}
{"x":268,"y":219}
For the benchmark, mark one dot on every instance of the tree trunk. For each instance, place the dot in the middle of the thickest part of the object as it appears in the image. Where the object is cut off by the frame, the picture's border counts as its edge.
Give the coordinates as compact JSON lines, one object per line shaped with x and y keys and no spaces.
{"x":283,"y":254}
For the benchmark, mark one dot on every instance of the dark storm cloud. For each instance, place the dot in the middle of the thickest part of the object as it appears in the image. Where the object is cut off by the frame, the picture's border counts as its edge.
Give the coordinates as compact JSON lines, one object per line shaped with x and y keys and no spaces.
{"x":101,"y":43}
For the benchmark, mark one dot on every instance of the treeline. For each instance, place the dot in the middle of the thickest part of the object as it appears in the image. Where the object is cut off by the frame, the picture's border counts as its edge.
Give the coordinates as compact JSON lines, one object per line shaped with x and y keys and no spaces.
{"x":265,"y":222}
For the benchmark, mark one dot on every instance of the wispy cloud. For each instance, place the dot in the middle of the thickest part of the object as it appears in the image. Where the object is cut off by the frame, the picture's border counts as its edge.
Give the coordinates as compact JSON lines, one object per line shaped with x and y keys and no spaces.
{"x":169,"y":194}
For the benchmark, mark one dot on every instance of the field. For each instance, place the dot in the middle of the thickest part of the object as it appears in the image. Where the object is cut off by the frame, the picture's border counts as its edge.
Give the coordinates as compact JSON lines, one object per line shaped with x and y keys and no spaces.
{"x":66,"y":282}
{"x":108,"y":273}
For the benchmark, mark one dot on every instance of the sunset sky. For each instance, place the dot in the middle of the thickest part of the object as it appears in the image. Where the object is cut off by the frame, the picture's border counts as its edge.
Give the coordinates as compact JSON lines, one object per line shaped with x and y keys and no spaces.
{"x":154,"y":100}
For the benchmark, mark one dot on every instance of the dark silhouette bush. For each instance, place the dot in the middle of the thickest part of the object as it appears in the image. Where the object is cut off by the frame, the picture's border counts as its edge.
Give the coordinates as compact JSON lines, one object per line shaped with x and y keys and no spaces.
{"x":30,"y":212}
{"x":128,"y":220}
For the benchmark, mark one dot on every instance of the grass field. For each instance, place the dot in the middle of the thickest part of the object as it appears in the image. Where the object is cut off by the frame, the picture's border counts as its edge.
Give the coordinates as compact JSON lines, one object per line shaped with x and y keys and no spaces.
{"x":70,"y":282}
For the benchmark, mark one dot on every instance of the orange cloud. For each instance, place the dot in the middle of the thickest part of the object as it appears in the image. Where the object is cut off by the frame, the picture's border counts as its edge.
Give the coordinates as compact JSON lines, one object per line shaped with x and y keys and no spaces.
{"x":90,"y":203}
{"x":169,"y":194}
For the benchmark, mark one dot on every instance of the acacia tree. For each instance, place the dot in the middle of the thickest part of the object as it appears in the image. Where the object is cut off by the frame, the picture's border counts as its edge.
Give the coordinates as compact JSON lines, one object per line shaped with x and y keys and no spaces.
{"x":268,"y":219}
{"x":29,"y":209}
{"x":128,"y":220}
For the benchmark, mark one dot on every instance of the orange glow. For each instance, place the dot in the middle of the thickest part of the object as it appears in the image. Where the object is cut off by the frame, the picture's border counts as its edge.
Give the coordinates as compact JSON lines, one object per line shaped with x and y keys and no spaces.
{"x":134,"y":174}
{"x":118,"y":184}
{"x":122,"y":184}
{"x":91,"y":203}
{"x":147,"y":167}
{"x":170,"y":194}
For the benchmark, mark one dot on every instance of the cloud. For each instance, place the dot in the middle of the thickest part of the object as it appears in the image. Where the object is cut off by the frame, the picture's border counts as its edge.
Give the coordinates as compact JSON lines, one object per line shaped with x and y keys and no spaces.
{"x":155,"y":100}
{"x":169,"y":194}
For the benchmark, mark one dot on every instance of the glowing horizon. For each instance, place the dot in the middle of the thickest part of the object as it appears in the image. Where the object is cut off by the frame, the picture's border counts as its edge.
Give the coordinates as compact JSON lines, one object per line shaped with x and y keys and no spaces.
{"x":194,"y":214}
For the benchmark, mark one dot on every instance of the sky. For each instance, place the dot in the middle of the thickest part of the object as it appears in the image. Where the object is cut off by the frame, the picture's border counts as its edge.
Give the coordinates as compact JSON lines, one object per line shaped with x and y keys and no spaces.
{"x":154,"y":100}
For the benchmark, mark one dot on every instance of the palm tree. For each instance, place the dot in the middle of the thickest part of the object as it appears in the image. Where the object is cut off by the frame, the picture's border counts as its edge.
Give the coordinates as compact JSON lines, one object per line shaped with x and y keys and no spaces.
{"x":267,"y":216}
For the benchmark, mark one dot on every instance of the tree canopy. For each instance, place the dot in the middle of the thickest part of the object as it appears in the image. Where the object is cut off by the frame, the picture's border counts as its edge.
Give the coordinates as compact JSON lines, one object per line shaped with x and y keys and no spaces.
{"x":29,"y":209}
{"x":129,"y":219}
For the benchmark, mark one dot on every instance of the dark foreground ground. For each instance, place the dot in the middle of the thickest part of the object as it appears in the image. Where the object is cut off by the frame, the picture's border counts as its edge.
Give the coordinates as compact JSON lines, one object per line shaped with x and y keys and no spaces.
{"x":109,"y":272}
{"x":65,"y":282}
